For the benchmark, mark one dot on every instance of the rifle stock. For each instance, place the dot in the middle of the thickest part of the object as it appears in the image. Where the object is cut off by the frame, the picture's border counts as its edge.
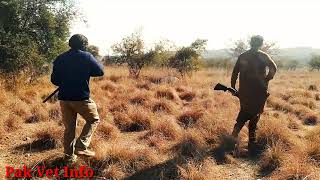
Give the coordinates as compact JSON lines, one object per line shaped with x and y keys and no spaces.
{"x":221,"y":87}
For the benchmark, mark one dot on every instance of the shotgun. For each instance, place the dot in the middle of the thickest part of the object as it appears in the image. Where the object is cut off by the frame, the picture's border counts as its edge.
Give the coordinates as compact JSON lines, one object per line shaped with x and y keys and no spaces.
{"x":221,"y":87}
{"x":52,"y":94}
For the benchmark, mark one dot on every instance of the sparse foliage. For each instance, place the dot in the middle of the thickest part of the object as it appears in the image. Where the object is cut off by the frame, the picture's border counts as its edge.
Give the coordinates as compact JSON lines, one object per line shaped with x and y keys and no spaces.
{"x":240,"y":46}
{"x":131,"y":51}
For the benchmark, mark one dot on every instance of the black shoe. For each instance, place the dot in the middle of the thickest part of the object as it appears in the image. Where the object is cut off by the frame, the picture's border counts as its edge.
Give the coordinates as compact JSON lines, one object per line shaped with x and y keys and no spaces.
{"x":252,"y":149}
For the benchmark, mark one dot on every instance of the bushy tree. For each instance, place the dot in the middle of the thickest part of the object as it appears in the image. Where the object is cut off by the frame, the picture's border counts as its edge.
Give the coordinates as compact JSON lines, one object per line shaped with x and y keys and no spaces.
{"x":32,"y":33}
{"x":187,"y":59}
{"x":163,"y":51}
{"x":131,"y":51}
{"x":314,"y":63}
{"x":240,"y":46}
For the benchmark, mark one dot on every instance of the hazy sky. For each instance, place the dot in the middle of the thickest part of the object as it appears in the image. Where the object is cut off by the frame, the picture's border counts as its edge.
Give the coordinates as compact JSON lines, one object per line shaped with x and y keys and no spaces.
{"x":290,"y":23}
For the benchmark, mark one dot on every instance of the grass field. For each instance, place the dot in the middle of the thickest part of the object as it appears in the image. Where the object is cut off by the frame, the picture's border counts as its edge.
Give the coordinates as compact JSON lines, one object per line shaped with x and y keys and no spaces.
{"x":152,"y":128}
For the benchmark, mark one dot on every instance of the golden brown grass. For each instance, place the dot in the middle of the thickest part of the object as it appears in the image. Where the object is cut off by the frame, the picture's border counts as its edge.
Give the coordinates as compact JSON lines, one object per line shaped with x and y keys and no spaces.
{"x":173,"y":130}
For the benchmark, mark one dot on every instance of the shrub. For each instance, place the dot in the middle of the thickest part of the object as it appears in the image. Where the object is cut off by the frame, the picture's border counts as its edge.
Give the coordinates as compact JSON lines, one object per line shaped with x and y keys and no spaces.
{"x":187,"y":59}
{"x":131,"y":51}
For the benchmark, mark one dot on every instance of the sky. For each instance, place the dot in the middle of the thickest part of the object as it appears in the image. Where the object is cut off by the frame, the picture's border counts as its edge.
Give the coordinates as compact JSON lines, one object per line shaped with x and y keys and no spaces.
{"x":289,"y":23}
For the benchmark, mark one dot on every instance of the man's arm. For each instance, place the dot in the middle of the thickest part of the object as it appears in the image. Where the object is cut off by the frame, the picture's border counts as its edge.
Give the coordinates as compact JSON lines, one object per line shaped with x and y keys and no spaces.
{"x":272,"y":68}
{"x":235,"y":74}
{"x":96,"y":69}
{"x":55,"y":75}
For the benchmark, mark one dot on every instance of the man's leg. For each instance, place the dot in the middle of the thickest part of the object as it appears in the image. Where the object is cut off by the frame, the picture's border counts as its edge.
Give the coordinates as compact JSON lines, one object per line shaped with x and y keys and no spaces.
{"x":241,"y":121}
{"x":69,"y":119}
{"x":252,"y":129}
{"x":88,"y":110}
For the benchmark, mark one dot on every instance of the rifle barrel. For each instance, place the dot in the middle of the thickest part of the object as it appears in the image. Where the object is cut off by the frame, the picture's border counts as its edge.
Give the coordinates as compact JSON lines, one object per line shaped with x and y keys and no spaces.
{"x":52,"y":94}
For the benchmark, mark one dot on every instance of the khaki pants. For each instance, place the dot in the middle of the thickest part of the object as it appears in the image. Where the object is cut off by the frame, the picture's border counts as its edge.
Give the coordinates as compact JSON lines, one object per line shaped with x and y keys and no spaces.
{"x":88,"y":110}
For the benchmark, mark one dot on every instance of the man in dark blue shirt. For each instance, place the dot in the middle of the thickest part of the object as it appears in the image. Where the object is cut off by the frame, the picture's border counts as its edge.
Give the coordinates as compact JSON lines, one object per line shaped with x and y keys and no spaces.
{"x":71,"y":72}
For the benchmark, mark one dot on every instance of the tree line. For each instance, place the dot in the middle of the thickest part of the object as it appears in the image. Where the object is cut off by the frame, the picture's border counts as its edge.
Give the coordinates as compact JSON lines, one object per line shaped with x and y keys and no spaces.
{"x":132,"y":51}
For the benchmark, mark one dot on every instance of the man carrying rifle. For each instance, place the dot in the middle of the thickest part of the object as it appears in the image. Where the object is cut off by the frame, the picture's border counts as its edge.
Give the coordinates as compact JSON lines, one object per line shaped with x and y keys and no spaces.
{"x":252,"y":66}
{"x":71,"y":72}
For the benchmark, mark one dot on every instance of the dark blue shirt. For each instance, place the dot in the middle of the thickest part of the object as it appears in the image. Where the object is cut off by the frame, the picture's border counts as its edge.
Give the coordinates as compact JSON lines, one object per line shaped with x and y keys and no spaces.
{"x":72,"y":71}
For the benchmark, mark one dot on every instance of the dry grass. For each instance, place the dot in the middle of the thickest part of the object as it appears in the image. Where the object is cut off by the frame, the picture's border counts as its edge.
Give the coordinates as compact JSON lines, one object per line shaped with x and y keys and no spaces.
{"x":155,"y":129}
{"x":272,"y":158}
{"x":195,"y":170}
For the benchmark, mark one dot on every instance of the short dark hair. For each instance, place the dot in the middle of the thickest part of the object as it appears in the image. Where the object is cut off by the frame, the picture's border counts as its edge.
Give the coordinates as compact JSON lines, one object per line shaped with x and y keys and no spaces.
{"x":256,"y":41}
{"x":78,"y":42}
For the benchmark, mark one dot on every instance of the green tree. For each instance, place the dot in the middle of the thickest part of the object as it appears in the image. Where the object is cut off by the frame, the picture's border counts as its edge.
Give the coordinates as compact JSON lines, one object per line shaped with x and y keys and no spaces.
{"x":314,"y":63}
{"x":188,"y":59}
{"x":32,"y":33}
{"x":131,"y":51}
{"x":163,"y":51}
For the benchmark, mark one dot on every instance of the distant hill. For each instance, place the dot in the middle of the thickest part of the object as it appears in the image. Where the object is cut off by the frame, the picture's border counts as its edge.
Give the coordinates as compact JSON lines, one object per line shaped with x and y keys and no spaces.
{"x":219,"y":53}
{"x":301,"y":54}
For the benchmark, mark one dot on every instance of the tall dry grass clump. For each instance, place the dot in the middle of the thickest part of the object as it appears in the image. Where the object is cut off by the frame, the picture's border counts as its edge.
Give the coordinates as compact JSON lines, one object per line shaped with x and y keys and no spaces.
{"x":128,"y":158}
{"x":272,"y":158}
{"x":296,"y":168}
{"x":163,"y":134}
{"x":192,"y":145}
{"x":272,"y":131}
{"x":204,"y":170}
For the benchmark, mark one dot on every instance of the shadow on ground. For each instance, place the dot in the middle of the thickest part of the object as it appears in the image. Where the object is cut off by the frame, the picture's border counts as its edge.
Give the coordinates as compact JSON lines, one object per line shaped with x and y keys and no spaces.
{"x":43,"y":144}
{"x":166,"y":170}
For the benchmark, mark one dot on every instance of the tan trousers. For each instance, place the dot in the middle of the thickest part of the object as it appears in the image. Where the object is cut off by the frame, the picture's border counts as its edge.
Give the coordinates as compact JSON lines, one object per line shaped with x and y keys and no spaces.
{"x":88,"y":110}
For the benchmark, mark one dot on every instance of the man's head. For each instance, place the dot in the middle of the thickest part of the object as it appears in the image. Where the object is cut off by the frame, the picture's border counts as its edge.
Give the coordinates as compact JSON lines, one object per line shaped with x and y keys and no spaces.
{"x":256,"y":41}
{"x":78,"y":42}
